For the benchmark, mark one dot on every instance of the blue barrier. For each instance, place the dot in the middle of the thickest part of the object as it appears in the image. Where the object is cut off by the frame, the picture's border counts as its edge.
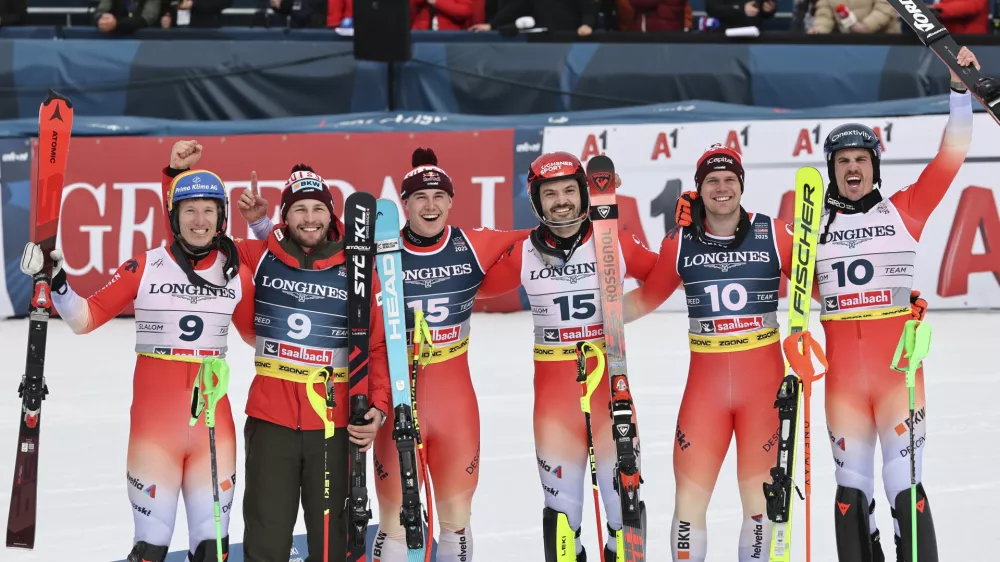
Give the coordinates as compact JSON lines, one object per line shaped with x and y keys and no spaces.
{"x":251,"y":80}
{"x":696,"y":110}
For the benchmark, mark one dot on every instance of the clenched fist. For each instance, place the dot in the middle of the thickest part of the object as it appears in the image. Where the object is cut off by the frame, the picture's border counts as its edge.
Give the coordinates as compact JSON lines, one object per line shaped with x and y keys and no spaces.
{"x":185,"y":154}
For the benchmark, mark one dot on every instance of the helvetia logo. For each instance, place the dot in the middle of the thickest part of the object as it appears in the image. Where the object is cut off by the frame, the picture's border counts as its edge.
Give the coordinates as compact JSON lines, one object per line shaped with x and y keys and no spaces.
{"x":758,"y":537}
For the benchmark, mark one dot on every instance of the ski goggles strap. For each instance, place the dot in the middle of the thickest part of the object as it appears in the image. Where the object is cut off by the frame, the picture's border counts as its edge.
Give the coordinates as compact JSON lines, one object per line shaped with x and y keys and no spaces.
{"x":588,"y":381}
{"x":322,"y":405}
{"x":799,"y":348}
{"x":915,"y":341}
{"x":209,"y":387}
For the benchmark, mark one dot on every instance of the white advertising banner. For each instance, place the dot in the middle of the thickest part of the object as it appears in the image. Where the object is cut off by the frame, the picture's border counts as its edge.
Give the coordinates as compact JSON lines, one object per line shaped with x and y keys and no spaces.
{"x":958,"y":262}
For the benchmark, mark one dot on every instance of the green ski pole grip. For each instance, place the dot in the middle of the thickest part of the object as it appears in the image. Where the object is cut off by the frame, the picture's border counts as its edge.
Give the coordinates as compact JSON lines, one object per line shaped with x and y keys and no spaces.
{"x":210,"y":385}
{"x":914,"y":345}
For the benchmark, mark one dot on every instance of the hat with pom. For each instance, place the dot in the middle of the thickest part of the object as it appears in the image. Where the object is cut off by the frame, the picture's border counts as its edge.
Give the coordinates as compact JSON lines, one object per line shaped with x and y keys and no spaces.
{"x":304,"y":183}
{"x":425,"y":175}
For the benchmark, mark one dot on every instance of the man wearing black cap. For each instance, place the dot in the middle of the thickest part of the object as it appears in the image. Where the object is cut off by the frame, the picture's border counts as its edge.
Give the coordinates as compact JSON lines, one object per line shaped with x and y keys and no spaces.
{"x":297,"y":325}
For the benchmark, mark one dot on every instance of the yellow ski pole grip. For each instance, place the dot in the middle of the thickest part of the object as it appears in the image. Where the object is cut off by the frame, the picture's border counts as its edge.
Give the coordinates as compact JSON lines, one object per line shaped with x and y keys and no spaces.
{"x":318,"y":402}
{"x":588,"y":349}
{"x":422,"y":336}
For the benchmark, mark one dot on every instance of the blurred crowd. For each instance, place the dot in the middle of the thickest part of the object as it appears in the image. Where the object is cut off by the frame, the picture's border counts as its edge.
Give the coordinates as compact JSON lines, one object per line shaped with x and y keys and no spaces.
{"x":581,"y":16}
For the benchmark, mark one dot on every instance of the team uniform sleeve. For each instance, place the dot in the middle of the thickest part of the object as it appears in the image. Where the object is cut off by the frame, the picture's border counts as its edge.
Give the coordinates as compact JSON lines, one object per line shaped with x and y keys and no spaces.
{"x":86,"y":315}
{"x":505,"y":275}
{"x":378,"y":361}
{"x":659,"y":284}
{"x":639,"y":260}
{"x":243,"y":314}
{"x":490,"y":244}
{"x":916,"y":202}
{"x":261,"y":228}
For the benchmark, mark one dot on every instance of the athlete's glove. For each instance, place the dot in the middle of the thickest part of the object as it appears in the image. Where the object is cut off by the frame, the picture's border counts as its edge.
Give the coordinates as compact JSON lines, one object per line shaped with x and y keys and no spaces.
{"x":918,"y":306}
{"x":682,"y":212}
{"x":33,"y":262}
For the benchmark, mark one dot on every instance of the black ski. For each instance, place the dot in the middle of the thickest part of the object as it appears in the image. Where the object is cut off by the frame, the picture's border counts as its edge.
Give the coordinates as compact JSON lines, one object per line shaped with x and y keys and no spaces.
{"x":359,"y":249}
{"x":931,"y":33}
{"x":55,"y":126}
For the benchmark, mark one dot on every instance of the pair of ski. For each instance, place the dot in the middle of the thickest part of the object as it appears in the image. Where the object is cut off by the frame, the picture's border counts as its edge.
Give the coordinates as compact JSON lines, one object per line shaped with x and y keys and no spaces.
{"x":372,"y":241}
{"x":630,"y":542}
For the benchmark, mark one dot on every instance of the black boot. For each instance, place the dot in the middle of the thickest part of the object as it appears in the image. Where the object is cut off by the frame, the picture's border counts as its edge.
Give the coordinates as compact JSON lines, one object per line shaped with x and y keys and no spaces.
{"x":899,"y":548}
{"x":877,"y":554}
{"x":608,"y":555}
{"x":142,"y":551}
{"x":206,"y":551}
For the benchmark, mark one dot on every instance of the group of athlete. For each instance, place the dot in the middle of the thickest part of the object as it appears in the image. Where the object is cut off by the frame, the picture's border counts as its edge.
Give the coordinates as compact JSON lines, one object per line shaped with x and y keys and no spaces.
{"x":286,"y":295}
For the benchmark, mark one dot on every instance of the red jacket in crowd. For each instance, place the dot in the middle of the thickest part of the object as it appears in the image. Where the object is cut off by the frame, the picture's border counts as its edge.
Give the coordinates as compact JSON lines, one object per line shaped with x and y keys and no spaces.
{"x":964,"y":16}
{"x":660,"y":15}
{"x":337,"y":10}
{"x":444,"y":15}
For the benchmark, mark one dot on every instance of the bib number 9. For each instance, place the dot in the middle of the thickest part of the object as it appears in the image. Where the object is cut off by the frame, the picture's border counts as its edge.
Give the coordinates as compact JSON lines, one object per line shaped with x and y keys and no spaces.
{"x":300,"y":326}
{"x":191,"y":327}
{"x":733,"y":296}
{"x":858,"y":272}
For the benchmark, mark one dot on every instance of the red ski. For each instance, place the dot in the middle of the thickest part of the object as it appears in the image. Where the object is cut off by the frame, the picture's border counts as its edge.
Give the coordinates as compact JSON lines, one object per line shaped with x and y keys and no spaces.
{"x":602,"y":182}
{"x":55,"y":125}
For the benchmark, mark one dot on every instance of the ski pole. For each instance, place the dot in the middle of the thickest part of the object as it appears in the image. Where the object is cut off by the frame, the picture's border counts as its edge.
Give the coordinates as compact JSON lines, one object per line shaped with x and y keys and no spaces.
{"x":209,"y":387}
{"x":588,"y":384}
{"x":799,"y":348}
{"x":421,"y":338}
{"x":323,"y":406}
{"x":916,"y":342}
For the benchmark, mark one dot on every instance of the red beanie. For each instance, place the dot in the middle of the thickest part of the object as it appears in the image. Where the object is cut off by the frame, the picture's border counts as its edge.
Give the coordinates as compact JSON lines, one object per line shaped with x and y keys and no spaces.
{"x":717,"y":158}
{"x":425,"y":175}
{"x":303,"y":184}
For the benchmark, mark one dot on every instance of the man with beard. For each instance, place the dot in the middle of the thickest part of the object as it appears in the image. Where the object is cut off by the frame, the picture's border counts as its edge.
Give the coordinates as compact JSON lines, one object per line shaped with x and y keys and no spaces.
{"x":730,"y":263}
{"x":443,"y":266}
{"x":299,"y":324}
{"x":557,"y":266}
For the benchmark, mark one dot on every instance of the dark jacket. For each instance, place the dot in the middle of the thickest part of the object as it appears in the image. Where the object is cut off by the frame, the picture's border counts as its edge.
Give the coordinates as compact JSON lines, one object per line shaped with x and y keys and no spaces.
{"x":730,"y":13}
{"x":13,"y":12}
{"x":658,"y":15}
{"x":204,"y":13}
{"x":144,"y":13}
{"x":557,"y":15}
{"x":304,"y":13}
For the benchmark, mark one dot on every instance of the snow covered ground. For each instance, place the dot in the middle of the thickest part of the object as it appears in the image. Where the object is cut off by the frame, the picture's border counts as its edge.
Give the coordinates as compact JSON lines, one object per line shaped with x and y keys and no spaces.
{"x":84,"y":513}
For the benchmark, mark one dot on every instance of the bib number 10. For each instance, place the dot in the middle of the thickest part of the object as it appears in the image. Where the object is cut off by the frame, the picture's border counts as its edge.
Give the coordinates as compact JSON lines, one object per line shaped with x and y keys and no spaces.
{"x":858,"y":272}
{"x":733,"y":296}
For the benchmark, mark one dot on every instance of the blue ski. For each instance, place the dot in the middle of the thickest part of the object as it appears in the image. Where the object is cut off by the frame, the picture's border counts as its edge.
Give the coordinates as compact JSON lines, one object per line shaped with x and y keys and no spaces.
{"x":390,"y":271}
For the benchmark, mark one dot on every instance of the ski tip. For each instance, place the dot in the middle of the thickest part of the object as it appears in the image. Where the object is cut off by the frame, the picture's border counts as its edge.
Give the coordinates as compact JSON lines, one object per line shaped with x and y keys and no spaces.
{"x":601,"y":174}
{"x":54,"y":95}
{"x":809,"y":176}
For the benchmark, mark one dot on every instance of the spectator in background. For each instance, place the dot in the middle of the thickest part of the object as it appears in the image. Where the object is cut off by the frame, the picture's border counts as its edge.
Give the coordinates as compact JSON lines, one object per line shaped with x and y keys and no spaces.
{"x":556,"y":15}
{"x":855,"y":16}
{"x":964,"y":16}
{"x":660,"y":15}
{"x":13,"y":12}
{"x":443,"y":15}
{"x":116,"y":17}
{"x":339,"y":10}
{"x":194,"y":13}
{"x":740,"y":13}
{"x":302,"y":13}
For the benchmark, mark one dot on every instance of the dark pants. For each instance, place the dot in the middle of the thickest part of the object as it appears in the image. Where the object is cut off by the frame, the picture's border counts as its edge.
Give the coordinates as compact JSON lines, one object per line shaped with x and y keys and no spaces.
{"x":282,"y":465}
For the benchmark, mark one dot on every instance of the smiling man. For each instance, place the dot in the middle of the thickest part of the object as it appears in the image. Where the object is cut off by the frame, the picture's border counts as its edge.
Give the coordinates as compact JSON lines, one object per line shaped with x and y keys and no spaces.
{"x":557,"y":266}
{"x":730,"y":263}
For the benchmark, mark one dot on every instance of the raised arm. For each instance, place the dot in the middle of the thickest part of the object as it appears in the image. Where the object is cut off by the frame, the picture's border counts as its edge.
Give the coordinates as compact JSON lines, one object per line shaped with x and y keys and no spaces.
{"x":660,"y":283}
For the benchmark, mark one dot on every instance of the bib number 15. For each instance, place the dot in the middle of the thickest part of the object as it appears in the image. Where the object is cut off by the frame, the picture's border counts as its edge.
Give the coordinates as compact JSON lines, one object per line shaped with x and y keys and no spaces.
{"x":733,"y":296}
